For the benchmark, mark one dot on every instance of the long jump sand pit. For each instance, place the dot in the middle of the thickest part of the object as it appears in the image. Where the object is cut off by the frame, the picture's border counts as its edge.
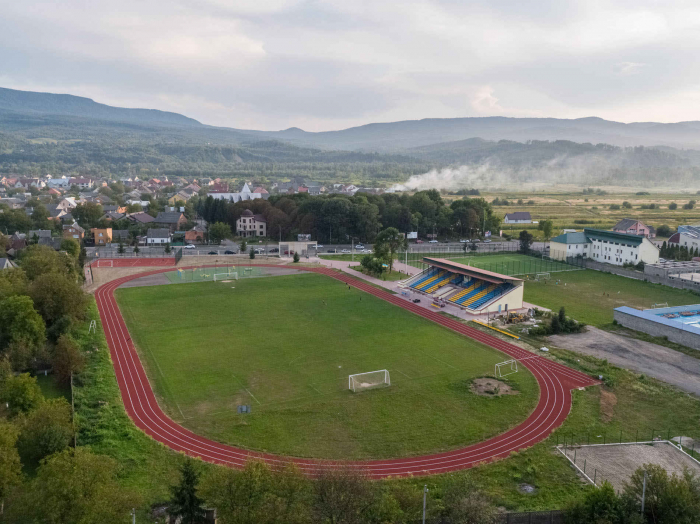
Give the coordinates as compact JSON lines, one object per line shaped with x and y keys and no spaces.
{"x":616,"y":462}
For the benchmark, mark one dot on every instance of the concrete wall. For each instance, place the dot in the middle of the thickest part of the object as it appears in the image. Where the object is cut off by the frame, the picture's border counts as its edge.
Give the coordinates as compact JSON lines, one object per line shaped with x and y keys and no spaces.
{"x":677,"y":335}
{"x":514,"y":299}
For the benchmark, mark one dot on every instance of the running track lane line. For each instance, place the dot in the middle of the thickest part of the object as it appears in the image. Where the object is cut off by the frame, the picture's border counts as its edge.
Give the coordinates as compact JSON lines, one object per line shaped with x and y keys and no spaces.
{"x":555,"y":382}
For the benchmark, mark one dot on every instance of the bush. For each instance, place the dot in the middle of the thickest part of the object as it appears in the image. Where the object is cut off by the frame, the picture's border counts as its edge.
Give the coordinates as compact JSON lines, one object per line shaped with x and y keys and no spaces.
{"x":614,"y":207}
{"x":672,"y":206}
{"x":296,"y":257}
{"x":626,"y":205}
{"x":251,"y":254}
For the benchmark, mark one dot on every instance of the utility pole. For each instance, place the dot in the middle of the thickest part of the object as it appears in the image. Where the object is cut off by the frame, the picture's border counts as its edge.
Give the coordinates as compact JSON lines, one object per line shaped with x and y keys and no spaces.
{"x":644,"y":491}
{"x":425,"y":496}
{"x":133,"y":515}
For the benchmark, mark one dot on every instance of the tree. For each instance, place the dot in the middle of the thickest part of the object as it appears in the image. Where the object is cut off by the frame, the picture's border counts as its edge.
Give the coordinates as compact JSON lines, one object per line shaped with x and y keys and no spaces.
{"x":38,"y":260}
{"x":243,"y":246}
{"x":20,"y":324}
{"x":664,"y":231}
{"x":673,"y":206}
{"x":167,"y":248}
{"x":562,"y":315}
{"x":184,"y":502}
{"x":120,"y":249}
{"x":56,"y":296}
{"x":525,"y":241}
{"x":251,"y":253}
{"x":88,"y":215}
{"x":464,"y":504}
{"x":136,"y":249}
{"x":10,"y":465}
{"x":391,"y":241}
{"x":296,"y":257}
{"x":12,"y":282}
{"x":219,"y":231}
{"x":21,"y":392}
{"x":76,"y":487}
{"x":342,"y":495}
{"x":556,"y":325}
{"x":71,"y":246}
{"x":45,"y":430}
{"x":67,"y":359}
{"x":599,"y":505}
{"x":626,"y":205}
{"x":546,"y":226}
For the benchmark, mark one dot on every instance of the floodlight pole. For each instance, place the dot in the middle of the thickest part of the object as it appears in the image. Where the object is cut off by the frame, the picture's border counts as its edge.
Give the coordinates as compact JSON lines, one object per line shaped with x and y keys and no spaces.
{"x":425,"y":496}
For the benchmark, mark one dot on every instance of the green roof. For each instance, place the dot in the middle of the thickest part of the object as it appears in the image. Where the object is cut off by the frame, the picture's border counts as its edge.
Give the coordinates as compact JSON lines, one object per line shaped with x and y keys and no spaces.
{"x":612,"y":236}
{"x":571,"y":238}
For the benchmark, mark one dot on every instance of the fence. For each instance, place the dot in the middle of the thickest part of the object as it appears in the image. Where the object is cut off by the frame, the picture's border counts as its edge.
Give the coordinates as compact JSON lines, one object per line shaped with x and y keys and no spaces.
{"x":178,"y":255}
{"x":674,"y":282}
{"x":533,"y":517}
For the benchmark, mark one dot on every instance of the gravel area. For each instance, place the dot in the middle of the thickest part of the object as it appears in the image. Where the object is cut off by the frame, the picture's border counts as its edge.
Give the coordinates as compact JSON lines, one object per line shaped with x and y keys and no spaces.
{"x":616,"y":463}
{"x":650,"y":359}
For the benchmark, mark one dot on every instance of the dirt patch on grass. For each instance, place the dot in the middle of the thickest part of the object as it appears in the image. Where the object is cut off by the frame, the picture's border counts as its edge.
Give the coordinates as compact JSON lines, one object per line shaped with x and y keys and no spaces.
{"x":608,"y":401}
{"x":490,"y":387}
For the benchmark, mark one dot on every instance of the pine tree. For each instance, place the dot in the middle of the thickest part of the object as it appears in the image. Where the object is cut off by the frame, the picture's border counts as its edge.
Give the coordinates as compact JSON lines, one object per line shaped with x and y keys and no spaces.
{"x":184,"y":502}
{"x":562,"y":316}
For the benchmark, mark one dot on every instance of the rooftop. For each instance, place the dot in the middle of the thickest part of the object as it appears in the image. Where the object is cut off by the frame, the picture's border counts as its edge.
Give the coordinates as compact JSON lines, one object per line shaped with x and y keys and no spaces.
{"x":461,"y":269}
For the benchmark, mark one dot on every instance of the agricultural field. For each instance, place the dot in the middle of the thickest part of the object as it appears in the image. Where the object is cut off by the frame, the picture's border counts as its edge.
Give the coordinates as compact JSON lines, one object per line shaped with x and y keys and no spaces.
{"x":286,"y":345}
{"x":575,"y":210}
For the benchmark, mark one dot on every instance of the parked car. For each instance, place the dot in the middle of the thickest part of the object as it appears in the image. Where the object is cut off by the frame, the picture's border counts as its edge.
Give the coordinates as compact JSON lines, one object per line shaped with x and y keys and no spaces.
{"x":275,"y":250}
{"x":419,"y":241}
{"x":359,"y":246}
{"x":487,"y":240}
{"x":259,"y":251}
{"x":319,"y":246}
{"x":213,"y":253}
{"x":190,"y":246}
{"x":476,"y":240}
{"x":345,"y":251}
{"x":229,"y":252}
{"x":464,"y":241}
{"x":332,"y":251}
{"x":433,"y":242}
{"x":367,"y":251}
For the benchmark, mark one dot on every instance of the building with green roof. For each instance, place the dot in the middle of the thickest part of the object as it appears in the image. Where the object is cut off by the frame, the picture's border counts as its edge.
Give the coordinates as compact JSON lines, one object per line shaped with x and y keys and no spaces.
{"x":610,"y":247}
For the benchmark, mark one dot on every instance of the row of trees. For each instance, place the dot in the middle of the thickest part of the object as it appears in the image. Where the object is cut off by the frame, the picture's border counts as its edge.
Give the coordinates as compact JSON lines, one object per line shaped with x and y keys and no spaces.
{"x":334,"y":218}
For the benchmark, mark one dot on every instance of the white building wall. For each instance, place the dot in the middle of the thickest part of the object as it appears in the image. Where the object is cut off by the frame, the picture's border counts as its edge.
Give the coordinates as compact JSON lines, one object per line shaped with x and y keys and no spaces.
{"x":513,"y":299}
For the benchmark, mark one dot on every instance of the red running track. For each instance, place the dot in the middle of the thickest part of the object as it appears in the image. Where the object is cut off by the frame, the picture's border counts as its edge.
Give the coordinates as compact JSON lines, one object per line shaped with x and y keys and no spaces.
{"x":555,"y":381}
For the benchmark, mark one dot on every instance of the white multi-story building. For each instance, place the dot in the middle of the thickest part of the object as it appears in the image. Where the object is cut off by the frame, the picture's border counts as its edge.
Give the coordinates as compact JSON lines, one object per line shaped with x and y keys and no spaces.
{"x":250,"y":225}
{"x":608,"y":247}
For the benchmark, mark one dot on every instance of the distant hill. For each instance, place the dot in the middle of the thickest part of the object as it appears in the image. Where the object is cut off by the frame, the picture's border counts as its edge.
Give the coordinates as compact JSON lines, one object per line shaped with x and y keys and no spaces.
{"x":69,"y":105}
{"x":416,"y":133}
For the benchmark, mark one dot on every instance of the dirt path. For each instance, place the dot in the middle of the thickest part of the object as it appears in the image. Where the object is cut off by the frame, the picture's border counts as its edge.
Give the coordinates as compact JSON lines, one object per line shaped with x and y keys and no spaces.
{"x":650,"y":359}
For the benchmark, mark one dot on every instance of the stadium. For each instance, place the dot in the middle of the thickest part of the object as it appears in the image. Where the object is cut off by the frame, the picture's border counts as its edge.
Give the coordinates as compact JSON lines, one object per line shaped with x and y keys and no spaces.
{"x":319,"y":368}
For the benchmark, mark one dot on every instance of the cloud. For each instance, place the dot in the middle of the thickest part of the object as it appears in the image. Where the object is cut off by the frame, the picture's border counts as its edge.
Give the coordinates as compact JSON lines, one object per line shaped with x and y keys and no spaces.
{"x":330,"y":64}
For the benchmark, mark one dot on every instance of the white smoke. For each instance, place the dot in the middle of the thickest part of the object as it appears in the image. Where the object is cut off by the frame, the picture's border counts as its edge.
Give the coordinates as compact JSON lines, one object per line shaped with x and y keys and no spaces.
{"x":463,"y":177}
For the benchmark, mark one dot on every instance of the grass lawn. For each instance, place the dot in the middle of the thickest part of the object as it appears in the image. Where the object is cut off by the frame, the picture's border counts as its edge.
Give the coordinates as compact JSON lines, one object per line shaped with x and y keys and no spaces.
{"x":50,"y":389}
{"x":504,"y":263}
{"x":285,"y":345}
{"x":391,"y":277}
{"x":590,"y":296}
{"x":207,"y":274}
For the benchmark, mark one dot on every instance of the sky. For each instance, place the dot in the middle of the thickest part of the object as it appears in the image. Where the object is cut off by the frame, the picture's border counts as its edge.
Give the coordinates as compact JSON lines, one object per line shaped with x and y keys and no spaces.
{"x":332,"y":64}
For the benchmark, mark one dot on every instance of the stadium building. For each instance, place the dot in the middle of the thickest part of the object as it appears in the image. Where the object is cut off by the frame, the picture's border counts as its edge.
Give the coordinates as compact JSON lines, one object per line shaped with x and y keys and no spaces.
{"x":474,"y":290}
{"x":604,"y":246}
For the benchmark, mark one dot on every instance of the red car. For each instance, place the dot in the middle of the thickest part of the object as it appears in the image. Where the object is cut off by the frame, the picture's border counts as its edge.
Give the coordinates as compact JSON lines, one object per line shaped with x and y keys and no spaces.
{"x":419,"y":241}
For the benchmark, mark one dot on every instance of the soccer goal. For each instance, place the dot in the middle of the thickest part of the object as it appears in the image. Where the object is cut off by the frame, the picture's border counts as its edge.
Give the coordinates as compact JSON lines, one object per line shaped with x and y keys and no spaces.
{"x":371,"y":379}
{"x":226,"y":276}
{"x":503,"y":369}
{"x":542,"y":276}
{"x":105,"y":263}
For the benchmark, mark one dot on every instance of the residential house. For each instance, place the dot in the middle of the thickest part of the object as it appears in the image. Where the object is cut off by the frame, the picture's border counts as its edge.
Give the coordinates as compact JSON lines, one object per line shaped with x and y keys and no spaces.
{"x":158,"y":236}
{"x":82,"y":182}
{"x":102,"y":236}
{"x":687,"y":236}
{"x":196,"y":234}
{"x":26,"y":183}
{"x":243,"y":194}
{"x":173,"y":220}
{"x":6,"y":263}
{"x":54,"y":192}
{"x":63,"y":182}
{"x":604,"y":246}
{"x":634,"y":227}
{"x":120,"y":235}
{"x":519,"y":217}
{"x":140,"y":217}
{"x":73,"y":231}
{"x":40,"y":235}
{"x":67,"y":203}
{"x":113,"y":216}
{"x":55,"y":212}
{"x":13,"y":203}
{"x":180,"y":196}
{"x":251,"y":225}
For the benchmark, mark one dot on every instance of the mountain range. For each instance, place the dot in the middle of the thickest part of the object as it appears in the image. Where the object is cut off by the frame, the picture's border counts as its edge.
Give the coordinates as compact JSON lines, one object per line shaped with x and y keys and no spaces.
{"x":84,"y":134}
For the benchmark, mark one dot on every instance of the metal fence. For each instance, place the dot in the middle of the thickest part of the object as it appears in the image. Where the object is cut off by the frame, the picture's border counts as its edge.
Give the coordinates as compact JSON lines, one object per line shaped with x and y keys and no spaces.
{"x":533,"y":517}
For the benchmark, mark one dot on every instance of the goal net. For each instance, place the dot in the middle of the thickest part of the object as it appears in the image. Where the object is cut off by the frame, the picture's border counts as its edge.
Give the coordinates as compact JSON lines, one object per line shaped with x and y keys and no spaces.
{"x":542,"y":276}
{"x":226,"y":276}
{"x":104,"y":263}
{"x":503,"y":369}
{"x":371,"y":379}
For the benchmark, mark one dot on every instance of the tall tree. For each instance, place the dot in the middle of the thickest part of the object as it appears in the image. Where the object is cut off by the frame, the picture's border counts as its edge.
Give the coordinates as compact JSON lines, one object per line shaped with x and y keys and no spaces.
{"x":184,"y":501}
{"x":21,"y":393}
{"x":219,"y":231}
{"x":67,"y":359}
{"x":45,"y":430}
{"x":10,"y":465}
{"x":20,"y":324}
{"x":546,"y":226}
{"x":525,"y":239}
{"x":56,"y":296}
{"x":391,"y":241}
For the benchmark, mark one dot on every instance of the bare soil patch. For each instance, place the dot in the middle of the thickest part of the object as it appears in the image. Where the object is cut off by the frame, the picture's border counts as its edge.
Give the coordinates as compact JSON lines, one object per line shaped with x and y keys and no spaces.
{"x":608,"y":401}
{"x":656,"y":361}
{"x":490,"y":387}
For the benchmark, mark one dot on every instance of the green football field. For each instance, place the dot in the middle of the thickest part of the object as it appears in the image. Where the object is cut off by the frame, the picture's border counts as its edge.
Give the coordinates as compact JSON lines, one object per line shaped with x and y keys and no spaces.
{"x":285,"y":345}
{"x":504,"y":263}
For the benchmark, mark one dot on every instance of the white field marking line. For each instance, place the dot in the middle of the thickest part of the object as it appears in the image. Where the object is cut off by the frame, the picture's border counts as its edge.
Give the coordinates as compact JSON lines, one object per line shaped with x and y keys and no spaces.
{"x":402,"y":463}
{"x":247,"y":390}
{"x":404,"y":374}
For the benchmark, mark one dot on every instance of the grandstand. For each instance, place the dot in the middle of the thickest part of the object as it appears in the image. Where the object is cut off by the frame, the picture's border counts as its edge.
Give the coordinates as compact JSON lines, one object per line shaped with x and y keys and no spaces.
{"x":475,"y":290}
